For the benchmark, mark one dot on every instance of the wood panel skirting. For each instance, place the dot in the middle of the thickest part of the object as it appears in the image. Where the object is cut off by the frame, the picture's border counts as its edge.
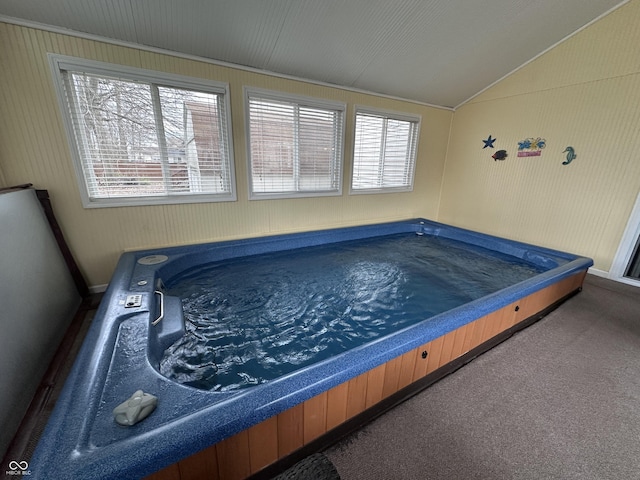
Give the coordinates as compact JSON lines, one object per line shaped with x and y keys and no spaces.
{"x":249,"y":452}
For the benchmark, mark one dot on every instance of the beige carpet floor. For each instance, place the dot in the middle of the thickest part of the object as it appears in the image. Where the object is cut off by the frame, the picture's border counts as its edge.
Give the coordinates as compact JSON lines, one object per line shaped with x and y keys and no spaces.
{"x":558,"y":400}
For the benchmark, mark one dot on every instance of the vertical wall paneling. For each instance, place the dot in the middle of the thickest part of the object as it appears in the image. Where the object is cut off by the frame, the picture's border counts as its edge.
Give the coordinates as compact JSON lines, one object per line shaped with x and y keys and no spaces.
{"x":421,"y":364}
{"x":34,"y":149}
{"x":337,"y":405}
{"x":391,"y":376}
{"x":407,"y":366}
{"x":233,"y":458}
{"x":357,"y":395}
{"x":433,"y":358}
{"x":493,"y":324}
{"x":458,"y":341}
{"x":290,"y":430}
{"x":201,"y":465}
{"x":447,"y":348}
{"x":315,"y":417}
{"x":375,"y":383}
{"x":473,"y":336}
{"x":583,"y":93}
{"x":262,"y":452}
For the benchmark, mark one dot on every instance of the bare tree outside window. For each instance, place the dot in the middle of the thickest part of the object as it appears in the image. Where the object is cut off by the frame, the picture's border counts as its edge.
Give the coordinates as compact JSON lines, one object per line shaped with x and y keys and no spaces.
{"x":135,"y":148}
{"x":139,"y":137}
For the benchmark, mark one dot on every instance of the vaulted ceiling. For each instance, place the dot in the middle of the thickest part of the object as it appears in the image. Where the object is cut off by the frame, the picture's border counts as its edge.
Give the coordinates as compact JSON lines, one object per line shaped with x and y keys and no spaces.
{"x":439,"y":52}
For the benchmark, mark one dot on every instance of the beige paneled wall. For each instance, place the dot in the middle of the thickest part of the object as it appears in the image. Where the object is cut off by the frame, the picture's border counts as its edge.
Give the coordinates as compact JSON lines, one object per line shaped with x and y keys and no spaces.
{"x":584,"y":93}
{"x":33,"y":148}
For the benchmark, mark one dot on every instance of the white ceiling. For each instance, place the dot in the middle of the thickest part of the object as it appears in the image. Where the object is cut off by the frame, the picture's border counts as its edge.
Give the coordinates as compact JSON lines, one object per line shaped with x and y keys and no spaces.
{"x":440,"y":52}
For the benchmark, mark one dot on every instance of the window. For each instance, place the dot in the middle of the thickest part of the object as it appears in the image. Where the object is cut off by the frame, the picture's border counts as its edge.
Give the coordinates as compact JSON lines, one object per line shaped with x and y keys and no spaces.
{"x":294,"y":144}
{"x":141,"y":137}
{"x":384,"y":154}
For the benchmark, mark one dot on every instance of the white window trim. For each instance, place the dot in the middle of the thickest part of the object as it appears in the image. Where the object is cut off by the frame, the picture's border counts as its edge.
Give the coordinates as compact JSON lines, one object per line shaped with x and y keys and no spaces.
{"x":58,"y":63}
{"x":389,"y":114}
{"x":302,"y":101}
{"x":625,"y":248}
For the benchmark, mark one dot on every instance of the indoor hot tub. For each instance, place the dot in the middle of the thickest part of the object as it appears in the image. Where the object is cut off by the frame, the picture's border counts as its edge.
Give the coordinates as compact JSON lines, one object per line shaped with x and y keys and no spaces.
{"x":262,"y":349}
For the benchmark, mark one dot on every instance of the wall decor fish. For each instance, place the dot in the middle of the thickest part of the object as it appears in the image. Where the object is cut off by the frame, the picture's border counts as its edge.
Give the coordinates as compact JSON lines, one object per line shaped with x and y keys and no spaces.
{"x":499,"y":155}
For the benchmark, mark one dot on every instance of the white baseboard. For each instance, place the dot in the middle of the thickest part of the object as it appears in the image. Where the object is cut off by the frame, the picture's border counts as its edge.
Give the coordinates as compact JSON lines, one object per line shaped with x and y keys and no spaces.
{"x":98,"y":288}
{"x":598,"y":273}
{"x":609,"y":276}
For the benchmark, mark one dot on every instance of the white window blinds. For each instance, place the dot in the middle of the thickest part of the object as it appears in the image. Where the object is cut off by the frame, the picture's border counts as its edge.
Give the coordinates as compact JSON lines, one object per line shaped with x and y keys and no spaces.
{"x":140,"y":140}
{"x":295,"y":146}
{"x":384,"y":152}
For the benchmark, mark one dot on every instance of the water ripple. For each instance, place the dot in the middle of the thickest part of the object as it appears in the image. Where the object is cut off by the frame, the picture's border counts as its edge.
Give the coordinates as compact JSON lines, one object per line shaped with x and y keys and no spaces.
{"x":254,"y":319}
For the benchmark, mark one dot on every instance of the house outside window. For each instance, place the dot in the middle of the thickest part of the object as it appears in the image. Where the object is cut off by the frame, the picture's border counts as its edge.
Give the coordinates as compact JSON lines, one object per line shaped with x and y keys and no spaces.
{"x":295,"y":145}
{"x":140,"y":137}
{"x":385,"y":150}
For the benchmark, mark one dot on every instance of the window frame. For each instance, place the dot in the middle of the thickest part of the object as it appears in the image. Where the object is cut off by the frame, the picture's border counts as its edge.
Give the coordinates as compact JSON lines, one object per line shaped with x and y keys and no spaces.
{"x":60,"y":63}
{"x":300,"y":101}
{"x":388,"y":115}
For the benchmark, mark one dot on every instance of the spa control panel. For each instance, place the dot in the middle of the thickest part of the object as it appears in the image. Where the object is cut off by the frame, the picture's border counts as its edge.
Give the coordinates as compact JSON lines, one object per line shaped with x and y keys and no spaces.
{"x":133,"y":301}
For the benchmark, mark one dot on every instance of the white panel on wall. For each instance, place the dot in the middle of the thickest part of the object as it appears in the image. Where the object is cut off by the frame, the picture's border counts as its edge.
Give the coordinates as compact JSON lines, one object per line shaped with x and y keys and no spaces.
{"x":38,"y":299}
